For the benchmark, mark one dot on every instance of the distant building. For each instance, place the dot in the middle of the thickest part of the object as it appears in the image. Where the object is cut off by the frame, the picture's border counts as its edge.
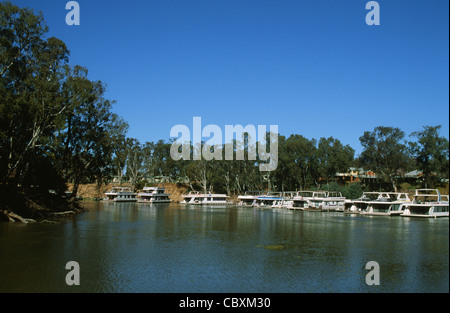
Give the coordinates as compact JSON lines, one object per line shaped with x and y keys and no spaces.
{"x":413,"y":176}
{"x":355,"y":175}
{"x":416,"y":176}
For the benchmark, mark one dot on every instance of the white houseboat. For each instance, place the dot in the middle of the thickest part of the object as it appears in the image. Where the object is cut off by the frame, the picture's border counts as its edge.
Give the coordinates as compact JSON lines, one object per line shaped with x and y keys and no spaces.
{"x":153,"y":195}
{"x":308,"y":200}
{"x":388,"y":204}
{"x":270,"y":200}
{"x":248,"y":198}
{"x":427,"y":203}
{"x":334,"y":201}
{"x":288,"y":199}
{"x":360,"y":204}
{"x":120,"y":194}
{"x":198,"y":198}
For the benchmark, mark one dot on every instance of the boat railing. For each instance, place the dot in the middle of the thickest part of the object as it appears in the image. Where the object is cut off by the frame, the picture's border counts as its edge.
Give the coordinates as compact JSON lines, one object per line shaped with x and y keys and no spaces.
{"x":252,"y":193}
{"x":427,"y":196}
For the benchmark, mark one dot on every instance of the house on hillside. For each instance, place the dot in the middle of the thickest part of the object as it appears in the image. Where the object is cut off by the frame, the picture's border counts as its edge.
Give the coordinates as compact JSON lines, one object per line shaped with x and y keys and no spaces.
{"x":355,"y":175}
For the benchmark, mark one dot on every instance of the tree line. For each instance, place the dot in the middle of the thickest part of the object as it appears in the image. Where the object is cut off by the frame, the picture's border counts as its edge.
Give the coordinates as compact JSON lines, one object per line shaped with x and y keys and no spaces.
{"x":56,"y":126}
{"x":302,"y":163}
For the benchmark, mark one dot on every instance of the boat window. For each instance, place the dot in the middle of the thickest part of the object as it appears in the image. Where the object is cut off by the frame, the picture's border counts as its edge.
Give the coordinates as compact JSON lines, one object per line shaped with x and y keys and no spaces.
{"x":419,"y":209}
{"x":440,"y":209}
{"x":371,"y":196}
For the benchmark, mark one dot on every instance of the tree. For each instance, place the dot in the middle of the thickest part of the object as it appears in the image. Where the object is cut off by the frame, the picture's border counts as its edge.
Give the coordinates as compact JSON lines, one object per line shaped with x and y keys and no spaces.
{"x":135,"y":161}
{"x":300,"y":163}
{"x":385,"y":152}
{"x":431,"y":153}
{"x":55,"y":124}
{"x":333,"y":157}
{"x":86,"y":148}
{"x":31,"y":74}
{"x":117,"y":134}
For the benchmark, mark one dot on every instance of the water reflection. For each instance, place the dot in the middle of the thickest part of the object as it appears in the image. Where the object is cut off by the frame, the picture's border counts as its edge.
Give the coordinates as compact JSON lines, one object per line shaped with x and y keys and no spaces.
{"x":130,"y":247}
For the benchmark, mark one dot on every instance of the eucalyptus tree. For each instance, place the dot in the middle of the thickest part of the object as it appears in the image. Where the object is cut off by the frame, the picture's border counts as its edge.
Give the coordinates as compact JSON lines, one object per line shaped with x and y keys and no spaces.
{"x":31,"y":102}
{"x":333,"y":157}
{"x":385,"y":152}
{"x":300,"y":170}
{"x":431,"y":153}
{"x":117,"y":134}
{"x":135,"y":161}
{"x":86,"y":143}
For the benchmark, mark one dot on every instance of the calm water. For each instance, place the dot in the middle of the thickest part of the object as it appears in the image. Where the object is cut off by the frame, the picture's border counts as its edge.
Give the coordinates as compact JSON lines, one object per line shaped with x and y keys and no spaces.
{"x":170,"y":248}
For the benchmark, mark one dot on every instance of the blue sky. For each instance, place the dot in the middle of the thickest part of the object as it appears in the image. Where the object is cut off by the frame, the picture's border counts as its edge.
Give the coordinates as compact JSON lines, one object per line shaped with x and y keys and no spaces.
{"x":313,"y":68}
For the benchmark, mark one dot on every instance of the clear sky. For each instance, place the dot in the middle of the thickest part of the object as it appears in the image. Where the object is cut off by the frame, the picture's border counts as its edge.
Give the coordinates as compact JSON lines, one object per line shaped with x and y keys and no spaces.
{"x":312,"y":67}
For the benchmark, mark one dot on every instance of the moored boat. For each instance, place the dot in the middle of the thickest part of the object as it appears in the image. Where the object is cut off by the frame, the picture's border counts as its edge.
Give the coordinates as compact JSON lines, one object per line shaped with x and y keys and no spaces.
{"x":356,"y":206}
{"x":198,"y":198}
{"x":427,"y":203}
{"x":288,"y":199}
{"x":300,"y":201}
{"x":120,"y":194}
{"x":153,"y":195}
{"x":333,"y":201}
{"x":248,"y":198}
{"x":388,"y":204}
{"x":308,"y":200}
{"x":270,"y":200}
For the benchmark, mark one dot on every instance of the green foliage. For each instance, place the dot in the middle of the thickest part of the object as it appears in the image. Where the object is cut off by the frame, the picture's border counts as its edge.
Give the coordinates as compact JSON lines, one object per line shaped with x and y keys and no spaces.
{"x":352,"y":191}
{"x":55,"y":123}
{"x":385,"y":153}
{"x":56,"y":126}
{"x":431,"y":153}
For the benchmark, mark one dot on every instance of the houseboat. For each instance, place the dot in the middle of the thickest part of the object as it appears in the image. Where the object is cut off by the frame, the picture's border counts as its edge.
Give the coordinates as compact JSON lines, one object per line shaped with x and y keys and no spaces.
{"x":198,"y":198}
{"x":248,"y":198}
{"x":270,"y":200}
{"x":120,"y":194}
{"x":334,"y":201}
{"x":427,"y":203}
{"x":288,"y":199}
{"x":388,"y":204}
{"x":153,"y":195}
{"x":309,"y":200}
{"x":300,"y":201}
{"x":356,"y":206}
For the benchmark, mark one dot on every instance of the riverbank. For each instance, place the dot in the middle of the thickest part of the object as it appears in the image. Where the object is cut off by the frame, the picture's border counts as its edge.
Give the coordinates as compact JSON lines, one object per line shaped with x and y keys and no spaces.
{"x":17,"y":206}
{"x":96,"y":192}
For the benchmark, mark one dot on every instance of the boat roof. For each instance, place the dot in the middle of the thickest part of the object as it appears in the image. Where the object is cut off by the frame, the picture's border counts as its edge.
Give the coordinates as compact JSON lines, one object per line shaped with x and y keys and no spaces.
{"x":198,"y":194}
{"x":121,"y":188}
{"x":427,"y":192}
{"x":269,"y":198}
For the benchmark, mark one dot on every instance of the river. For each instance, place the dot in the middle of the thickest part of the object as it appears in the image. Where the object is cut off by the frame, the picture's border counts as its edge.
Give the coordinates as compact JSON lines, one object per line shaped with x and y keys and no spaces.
{"x":169,"y":248}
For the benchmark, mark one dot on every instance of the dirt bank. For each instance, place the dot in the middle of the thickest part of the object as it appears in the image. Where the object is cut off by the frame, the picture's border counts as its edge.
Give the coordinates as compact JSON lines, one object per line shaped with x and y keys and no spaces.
{"x":93,"y":191}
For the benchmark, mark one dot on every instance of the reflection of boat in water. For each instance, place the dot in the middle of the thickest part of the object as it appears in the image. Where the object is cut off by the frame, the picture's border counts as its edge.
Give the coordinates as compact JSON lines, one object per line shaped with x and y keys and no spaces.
{"x":248,"y":198}
{"x":153,"y":195}
{"x":389,"y":204}
{"x":355,"y":206}
{"x":427,"y":203}
{"x":120,"y":194}
{"x":198,"y":198}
